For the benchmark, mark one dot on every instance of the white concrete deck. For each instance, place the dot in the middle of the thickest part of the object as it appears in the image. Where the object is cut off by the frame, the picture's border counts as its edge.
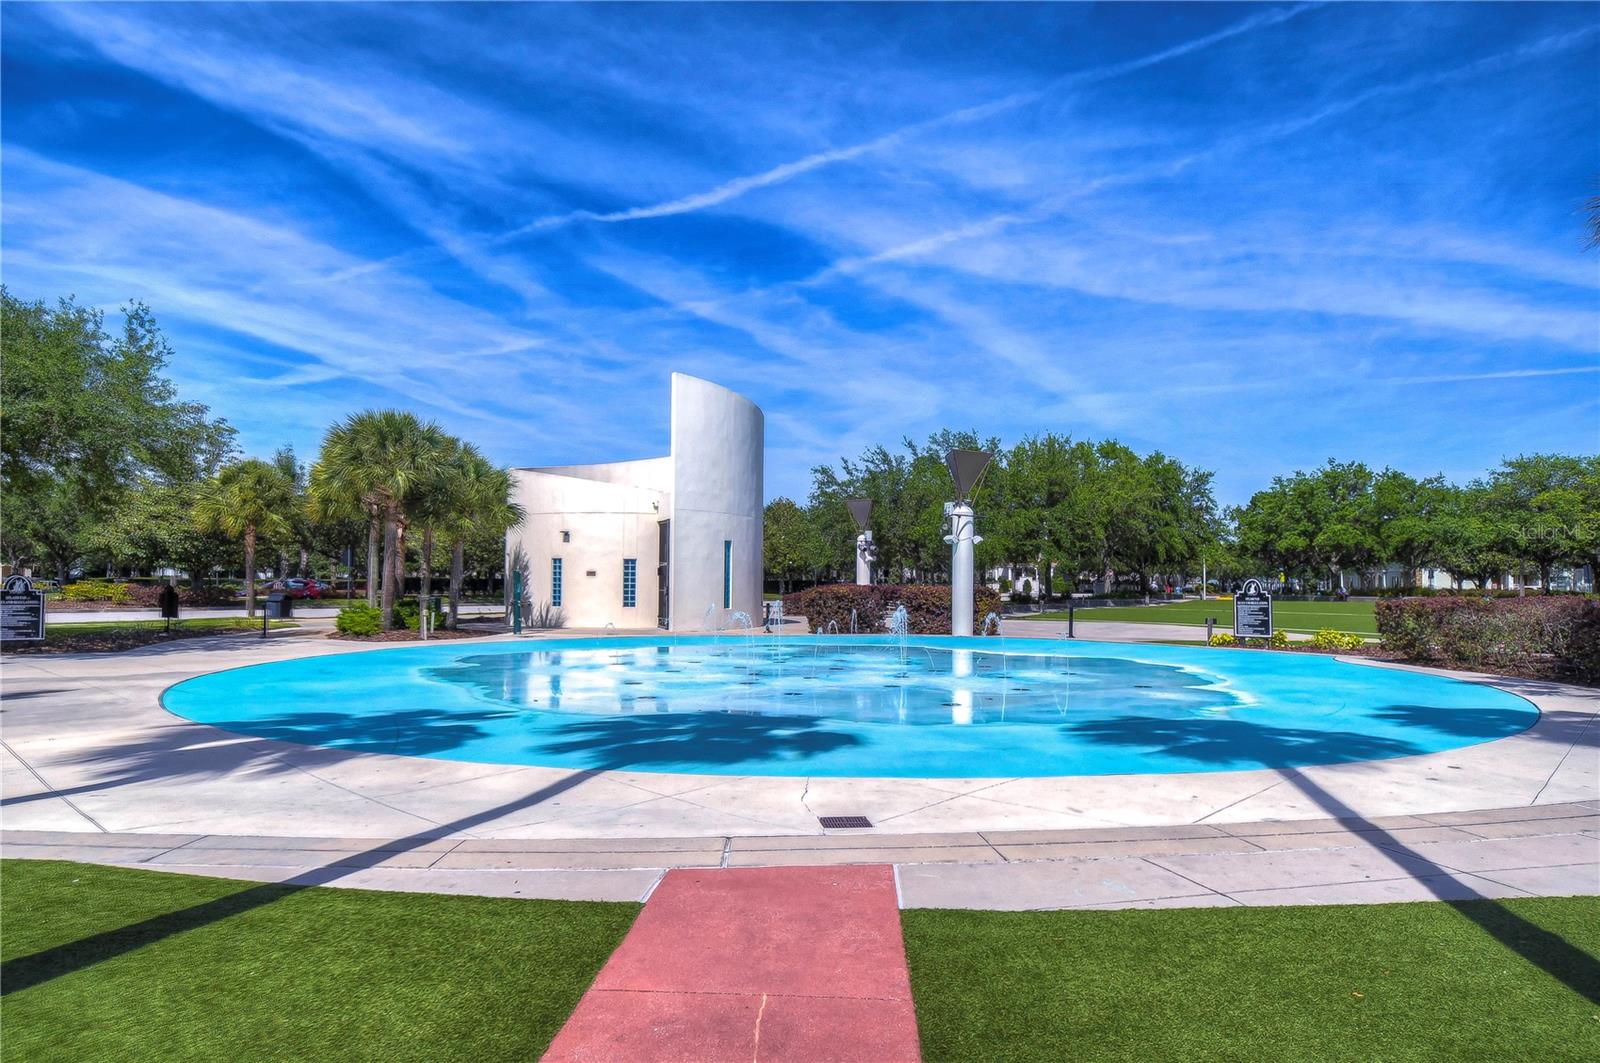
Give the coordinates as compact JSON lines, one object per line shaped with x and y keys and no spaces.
{"x":88,"y":754}
{"x":1548,"y":850}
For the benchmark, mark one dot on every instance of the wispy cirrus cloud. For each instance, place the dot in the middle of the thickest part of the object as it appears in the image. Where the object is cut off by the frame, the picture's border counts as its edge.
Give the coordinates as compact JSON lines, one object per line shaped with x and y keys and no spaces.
{"x":1231,"y":144}
{"x":877,"y":221}
{"x":730,"y":190}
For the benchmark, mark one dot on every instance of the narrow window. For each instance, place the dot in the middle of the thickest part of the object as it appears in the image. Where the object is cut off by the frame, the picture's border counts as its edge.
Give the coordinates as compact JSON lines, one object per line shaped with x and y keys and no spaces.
{"x":727,"y":573}
{"x":630,"y":582}
{"x":555,"y":581}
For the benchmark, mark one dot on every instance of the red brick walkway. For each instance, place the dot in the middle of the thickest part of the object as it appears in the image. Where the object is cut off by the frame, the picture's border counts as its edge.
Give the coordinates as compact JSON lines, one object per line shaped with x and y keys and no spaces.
{"x":796,"y":964}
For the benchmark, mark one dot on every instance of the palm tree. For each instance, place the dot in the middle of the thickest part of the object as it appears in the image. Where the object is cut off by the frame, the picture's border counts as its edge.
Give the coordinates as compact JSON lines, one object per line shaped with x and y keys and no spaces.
{"x":438,"y":505}
{"x":378,"y":462}
{"x":249,"y":499}
{"x":481,"y":504}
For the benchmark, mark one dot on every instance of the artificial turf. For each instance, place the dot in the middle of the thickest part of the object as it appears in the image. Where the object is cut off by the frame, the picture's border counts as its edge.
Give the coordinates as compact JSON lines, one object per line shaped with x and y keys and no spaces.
{"x":1299,"y":617}
{"x":1356,"y":982}
{"x":104,"y":963}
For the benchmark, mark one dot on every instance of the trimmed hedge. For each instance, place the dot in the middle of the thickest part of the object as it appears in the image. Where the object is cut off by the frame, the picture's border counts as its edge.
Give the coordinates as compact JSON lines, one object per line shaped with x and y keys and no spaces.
{"x":927,"y":606}
{"x":1560,"y":633}
{"x":1451,"y":592}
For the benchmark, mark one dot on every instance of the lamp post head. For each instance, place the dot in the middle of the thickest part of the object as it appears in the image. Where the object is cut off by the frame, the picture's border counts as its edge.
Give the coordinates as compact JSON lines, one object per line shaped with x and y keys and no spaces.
{"x":860,"y":512}
{"x":966,"y":469}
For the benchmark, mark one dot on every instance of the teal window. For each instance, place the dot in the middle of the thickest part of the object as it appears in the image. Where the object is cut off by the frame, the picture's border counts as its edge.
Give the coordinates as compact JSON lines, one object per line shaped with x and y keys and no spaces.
{"x":555,"y":581}
{"x":630,"y":582}
{"x":727,"y":573}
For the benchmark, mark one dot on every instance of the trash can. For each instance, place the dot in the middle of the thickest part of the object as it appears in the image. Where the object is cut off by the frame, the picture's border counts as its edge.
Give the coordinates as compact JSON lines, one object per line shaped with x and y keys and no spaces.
{"x":279,"y":606}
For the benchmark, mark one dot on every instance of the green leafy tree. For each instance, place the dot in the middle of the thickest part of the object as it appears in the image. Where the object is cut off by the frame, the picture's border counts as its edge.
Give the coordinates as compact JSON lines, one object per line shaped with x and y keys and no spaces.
{"x":1047,"y":512}
{"x":1409,"y":516}
{"x":1546,"y":505}
{"x":84,"y":416}
{"x":908,"y":489}
{"x":1469,"y":537}
{"x":1159,"y":514}
{"x":790,"y":545}
{"x":378,"y":462}
{"x":1313,"y":524}
{"x":152,"y":525}
{"x":469,"y":497}
{"x":491,"y":512}
{"x":248,"y":500}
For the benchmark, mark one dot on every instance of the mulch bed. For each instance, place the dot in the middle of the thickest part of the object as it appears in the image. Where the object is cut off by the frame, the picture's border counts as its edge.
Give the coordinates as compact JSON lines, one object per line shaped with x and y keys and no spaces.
{"x":117,"y":641}
{"x":439,"y":634}
{"x":1546,"y":670}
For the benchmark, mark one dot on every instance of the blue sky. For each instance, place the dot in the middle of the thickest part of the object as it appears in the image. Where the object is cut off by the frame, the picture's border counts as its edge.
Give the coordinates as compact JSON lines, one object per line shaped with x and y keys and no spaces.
{"x":1251,"y":236}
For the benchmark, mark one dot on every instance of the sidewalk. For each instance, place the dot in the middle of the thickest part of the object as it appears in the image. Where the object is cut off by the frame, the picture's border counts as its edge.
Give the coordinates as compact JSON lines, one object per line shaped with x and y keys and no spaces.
{"x":1535,"y":850}
{"x":754,"y":964}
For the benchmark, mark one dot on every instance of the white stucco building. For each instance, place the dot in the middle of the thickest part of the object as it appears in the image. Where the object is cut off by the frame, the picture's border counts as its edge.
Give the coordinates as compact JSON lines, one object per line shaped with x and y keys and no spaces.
{"x":671,"y":542}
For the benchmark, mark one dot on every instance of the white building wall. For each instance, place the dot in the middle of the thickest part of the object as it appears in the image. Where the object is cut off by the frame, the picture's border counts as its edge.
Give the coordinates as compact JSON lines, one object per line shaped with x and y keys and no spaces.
{"x":709,"y":487}
{"x":591,"y":525}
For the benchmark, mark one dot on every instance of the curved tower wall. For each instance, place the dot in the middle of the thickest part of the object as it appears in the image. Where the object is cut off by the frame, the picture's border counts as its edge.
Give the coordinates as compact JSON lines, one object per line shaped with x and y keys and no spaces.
{"x":718,"y":443}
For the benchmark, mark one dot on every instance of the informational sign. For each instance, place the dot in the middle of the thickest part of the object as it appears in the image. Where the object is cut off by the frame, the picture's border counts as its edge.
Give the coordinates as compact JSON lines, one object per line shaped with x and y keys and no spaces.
{"x":21,"y":611}
{"x":1252,"y":611}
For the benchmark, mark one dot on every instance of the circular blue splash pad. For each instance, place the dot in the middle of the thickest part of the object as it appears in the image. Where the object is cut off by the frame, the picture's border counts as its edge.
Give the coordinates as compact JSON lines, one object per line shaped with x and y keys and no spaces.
{"x":929,"y":707}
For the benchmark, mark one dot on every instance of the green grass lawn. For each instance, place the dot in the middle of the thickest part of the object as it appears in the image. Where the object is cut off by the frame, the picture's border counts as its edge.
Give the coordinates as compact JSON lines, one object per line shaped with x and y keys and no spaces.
{"x":308,"y":974}
{"x":1357,"y":982}
{"x":1300,"y":617}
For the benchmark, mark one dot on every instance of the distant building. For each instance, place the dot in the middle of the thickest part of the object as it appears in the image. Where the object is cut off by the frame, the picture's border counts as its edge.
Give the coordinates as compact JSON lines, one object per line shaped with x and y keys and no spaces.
{"x":671,"y":542}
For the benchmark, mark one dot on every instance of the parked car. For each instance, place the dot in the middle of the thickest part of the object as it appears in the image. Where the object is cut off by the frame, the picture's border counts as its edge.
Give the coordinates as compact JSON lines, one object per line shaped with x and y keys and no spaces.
{"x":298,"y":588}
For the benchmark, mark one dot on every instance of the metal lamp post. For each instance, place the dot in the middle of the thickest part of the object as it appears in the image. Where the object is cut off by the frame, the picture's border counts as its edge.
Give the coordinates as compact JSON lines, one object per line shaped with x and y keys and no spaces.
{"x":861,"y":513}
{"x":966,"y":469}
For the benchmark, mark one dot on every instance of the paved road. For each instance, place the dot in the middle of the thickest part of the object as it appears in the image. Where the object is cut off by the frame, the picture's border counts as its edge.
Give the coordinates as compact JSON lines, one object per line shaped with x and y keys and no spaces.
{"x":301,"y":612}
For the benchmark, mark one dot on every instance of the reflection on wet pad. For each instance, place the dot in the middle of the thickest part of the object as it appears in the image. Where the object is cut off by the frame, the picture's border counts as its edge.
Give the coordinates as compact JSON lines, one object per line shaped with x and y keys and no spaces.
{"x":924,"y":685}
{"x":870,"y":706}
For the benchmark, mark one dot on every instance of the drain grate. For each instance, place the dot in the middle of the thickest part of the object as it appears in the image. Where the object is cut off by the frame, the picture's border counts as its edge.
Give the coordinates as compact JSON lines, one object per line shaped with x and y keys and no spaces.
{"x":844,"y":822}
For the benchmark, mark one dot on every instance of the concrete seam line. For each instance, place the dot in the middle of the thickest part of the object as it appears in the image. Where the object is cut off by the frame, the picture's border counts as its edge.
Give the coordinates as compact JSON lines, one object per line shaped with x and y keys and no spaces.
{"x":53,"y":791}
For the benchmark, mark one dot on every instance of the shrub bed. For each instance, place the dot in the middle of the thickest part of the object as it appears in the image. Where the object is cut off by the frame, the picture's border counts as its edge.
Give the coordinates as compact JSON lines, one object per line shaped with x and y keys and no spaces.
{"x":927,"y":606}
{"x":149,"y":595}
{"x":95,"y":590}
{"x":1330,"y":639}
{"x":359,"y":620}
{"x":1555,"y":635}
{"x":409,"y":616}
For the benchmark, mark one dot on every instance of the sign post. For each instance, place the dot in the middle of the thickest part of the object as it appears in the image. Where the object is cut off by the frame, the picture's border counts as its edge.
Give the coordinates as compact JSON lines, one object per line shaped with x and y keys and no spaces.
{"x":1252,"y":612}
{"x":169,"y":605}
{"x":21,"y":611}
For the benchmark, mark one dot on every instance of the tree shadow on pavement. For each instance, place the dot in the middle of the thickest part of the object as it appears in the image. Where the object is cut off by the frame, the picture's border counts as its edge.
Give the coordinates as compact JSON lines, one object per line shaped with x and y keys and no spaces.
{"x":1231,"y":742}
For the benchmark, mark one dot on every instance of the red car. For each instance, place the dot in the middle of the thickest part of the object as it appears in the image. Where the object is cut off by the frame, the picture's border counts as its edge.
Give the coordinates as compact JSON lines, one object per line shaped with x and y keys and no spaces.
{"x":299,"y":588}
